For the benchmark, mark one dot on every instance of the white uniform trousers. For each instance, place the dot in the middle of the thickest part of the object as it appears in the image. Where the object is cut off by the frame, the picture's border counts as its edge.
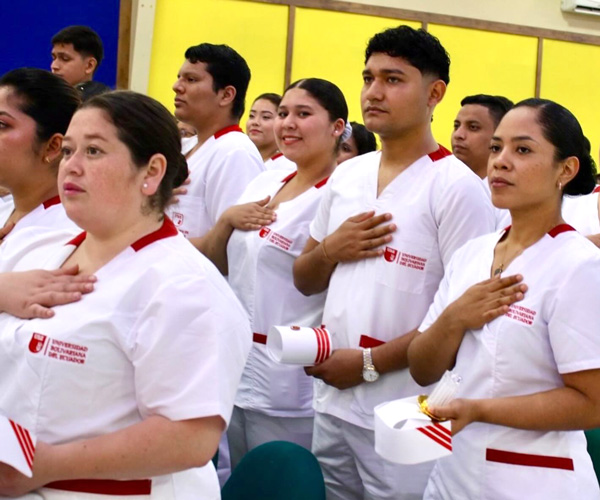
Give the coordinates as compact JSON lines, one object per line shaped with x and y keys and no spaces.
{"x":249,"y":429}
{"x":354,"y":471}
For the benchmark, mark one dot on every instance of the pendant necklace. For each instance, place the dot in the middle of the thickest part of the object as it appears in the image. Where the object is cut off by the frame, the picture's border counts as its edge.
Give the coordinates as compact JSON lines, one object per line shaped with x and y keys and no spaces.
{"x":500,"y":269}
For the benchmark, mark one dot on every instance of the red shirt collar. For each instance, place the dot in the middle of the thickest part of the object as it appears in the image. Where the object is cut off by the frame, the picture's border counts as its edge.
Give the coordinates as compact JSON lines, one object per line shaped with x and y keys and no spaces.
{"x":554,"y":232}
{"x":318,"y":185}
{"x":440,"y":153}
{"x":55,"y":200}
{"x":167,"y":230}
{"x":226,"y":130}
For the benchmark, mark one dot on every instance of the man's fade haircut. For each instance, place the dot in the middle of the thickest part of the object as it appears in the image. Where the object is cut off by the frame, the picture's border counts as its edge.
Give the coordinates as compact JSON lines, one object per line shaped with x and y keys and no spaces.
{"x":421,"y":49}
{"x":84,"y":39}
{"x":226,"y":67}
{"x":497,"y":105}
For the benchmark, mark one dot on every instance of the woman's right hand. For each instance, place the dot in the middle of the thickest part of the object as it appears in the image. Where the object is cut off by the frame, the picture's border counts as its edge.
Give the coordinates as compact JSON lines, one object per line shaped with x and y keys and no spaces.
{"x":485,"y":301}
{"x":250,"y":216}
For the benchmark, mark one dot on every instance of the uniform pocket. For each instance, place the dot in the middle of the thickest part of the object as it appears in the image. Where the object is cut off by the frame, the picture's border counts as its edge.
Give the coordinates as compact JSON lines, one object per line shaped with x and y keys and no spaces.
{"x":403,"y":265}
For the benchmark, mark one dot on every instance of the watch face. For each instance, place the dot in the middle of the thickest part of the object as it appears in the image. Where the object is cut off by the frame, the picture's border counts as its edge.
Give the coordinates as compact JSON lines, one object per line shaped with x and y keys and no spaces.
{"x":370,"y":375}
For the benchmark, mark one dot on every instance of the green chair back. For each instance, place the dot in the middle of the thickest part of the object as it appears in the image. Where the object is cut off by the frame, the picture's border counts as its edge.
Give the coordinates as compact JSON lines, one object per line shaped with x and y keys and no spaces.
{"x":276,"y":471}
{"x":593,"y":447}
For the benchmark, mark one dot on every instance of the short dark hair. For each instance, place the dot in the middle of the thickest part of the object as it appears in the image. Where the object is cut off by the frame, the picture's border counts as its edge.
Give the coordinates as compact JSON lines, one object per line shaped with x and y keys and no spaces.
{"x":226,"y":67}
{"x":497,"y":105}
{"x":421,"y":49}
{"x":46,"y":98}
{"x":562,"y":130}
{"x":84,"y":40}
{"x":274,"y":99}
{"x":147,"y":128}
{"x":328,"y":95}
{"x":364,"y":139}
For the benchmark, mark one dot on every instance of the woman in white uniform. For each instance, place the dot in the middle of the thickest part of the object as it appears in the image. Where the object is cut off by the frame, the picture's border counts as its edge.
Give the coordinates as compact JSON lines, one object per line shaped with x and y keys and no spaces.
{"x":260,"y":129}
{"x":35,"y":109}
{"x":128,"y":390}
{"x":528,"y":351}
{"x":274,"y":401}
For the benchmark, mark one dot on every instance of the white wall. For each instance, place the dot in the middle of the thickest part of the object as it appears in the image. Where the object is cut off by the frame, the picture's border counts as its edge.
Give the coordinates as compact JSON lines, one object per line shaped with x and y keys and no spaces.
{"x":536,"y":13}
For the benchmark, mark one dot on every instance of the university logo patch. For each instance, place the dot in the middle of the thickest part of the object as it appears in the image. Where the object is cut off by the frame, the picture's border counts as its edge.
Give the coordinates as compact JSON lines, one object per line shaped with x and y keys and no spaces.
{"x":390,"y":254}
{"x":37,"y":342}
{"x":264,"y":232}
{"x":177,"y":218}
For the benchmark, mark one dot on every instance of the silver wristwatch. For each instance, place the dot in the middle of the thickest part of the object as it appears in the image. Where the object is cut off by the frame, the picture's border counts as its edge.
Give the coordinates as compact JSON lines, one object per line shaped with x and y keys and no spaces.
{"x":370,"y":374}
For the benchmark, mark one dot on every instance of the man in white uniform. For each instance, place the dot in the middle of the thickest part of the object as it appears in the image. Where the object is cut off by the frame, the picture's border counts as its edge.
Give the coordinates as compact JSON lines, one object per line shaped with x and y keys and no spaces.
{"x":209,"y":95}
{"x":474,"y":126}
{"x":387,"y":225}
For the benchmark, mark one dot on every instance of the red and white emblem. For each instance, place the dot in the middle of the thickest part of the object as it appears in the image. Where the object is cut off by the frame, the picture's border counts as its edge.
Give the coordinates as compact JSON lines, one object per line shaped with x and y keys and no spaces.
{"x":37,"y":342}
{"x":177,"y":218}
{"x":264,"y":232}
{"x":390,"y":254}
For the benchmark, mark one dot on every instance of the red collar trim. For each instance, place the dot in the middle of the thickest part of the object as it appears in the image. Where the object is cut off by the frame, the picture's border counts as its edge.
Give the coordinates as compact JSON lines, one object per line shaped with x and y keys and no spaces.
{"x":440,"y":153}
{"x":288,"y":178}
{"x":318,"y":185}
{"x":596,"y":189}
{"x":276,"y":155}
{"x":226,"y":130}
{"x":78,"y":240}
{"x":561,"y":228}
{"x":554,"y":232}
{"x":51,"y":202}
{"x":167,"y":230}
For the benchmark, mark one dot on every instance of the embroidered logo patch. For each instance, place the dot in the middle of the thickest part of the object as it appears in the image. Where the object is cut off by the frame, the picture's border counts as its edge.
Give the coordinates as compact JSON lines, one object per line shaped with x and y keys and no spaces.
{"x":57,"y":349}
{"x":275,"y":238}
{"x":404,"y":259}
{"x":522,"y":314}
{"x":177,"y":219}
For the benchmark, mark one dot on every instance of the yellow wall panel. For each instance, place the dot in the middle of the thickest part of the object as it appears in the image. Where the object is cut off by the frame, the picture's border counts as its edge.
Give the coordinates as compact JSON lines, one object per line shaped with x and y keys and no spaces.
{"x":483,"y":62}
{"x":338,"y":56}
{"x":257,"y":31}
{"x":571,"y":76}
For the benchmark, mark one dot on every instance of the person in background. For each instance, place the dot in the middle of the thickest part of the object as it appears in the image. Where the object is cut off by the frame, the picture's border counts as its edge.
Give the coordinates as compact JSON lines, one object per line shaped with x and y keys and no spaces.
{"x":35,"y":110}
{"x":360,"y":142}
{"x":77,"y":52}
{"x":274,"y":401}
{"x":474,"y":126}
{"x":516,"y":317}
{"x":259,"y":128}
{"x":387,"y":225}
{"x":210,"y":94}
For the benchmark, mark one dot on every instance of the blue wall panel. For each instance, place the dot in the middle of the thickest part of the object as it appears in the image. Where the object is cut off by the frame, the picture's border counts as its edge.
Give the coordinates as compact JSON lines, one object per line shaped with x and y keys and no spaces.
{"x":28,"y":25}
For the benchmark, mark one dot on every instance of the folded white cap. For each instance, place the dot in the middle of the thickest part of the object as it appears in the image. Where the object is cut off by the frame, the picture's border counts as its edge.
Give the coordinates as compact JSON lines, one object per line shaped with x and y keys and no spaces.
{"x":17,"y":446}
{"x":298,"y":345}
{"x":404,"y":435}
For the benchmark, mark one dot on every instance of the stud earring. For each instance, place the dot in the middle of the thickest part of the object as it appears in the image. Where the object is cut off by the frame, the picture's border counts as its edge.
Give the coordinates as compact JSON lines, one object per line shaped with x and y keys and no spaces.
{"x":46,"y":159}
{"x":145,"y":185}
{"x":559,"y":185}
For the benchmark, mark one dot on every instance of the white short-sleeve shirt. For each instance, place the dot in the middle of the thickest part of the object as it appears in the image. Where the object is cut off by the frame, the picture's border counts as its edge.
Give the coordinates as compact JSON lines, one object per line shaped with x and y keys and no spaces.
{"x":553,"y":330}
{"x":219,"y":171}
{"x":582,"y":212}
{"x":46,"y":224}
{"x":260,"y":273}
{"x":437,"y":204}
{"x":161,"y":334}
{"x":280,"y":162}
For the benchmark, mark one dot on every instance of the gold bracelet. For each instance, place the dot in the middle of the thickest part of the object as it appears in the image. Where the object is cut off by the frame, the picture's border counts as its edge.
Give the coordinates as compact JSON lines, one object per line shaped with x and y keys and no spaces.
{"x":325,"y":252}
